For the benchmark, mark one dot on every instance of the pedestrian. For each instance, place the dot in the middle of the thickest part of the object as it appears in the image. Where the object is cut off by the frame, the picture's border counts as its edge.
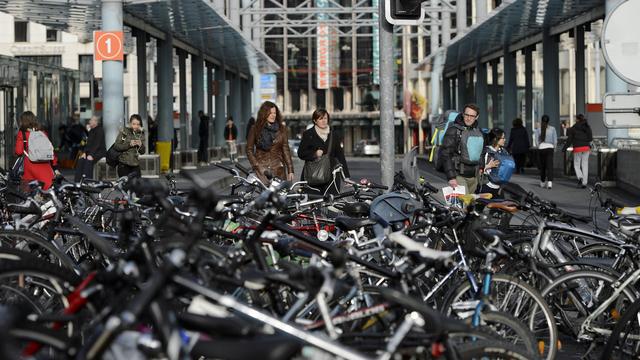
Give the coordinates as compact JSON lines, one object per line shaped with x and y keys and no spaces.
{"x":77,"y":136}
{"x":319,"y":140}
{"x":564,"y":127}
{"x":130,"y":143}
{"x":203,"y":133}
{"x":153,"y":133}
{"x":519,"y":144}
{"x":250,"y":124}
{"x":268,"y":145}
{"x":94,"y":150}
{"x":462,"y":146}
{"x":490,"y":162}
{"x":230,"y":136}
{"x":580,"y":137}
{"x":43,"y":171}
{"x":546,"y":140}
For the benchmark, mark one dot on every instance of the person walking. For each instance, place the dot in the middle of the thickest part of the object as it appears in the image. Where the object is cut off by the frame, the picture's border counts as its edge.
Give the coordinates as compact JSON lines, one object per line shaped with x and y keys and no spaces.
{"x":130,"y":143}
{"x":268,"y":145}
{"x":94,"y":150}
{"x":43,"y":171}
{"x":203,"y":133}
{"x":462,"y":146}
{"x":546,"y":140}
{"x":519,"y":144}
{"x":580,"y":137}
{"x":230,"y":136}
{"x":320,"y":140}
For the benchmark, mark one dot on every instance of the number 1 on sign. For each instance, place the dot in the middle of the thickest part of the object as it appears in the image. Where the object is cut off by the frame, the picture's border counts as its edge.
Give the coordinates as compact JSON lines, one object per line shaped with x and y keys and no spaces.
{"x":108,"y":43}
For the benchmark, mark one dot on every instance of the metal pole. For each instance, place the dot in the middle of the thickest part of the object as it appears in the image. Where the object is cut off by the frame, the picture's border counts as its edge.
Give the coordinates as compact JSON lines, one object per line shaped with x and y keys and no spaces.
{"x":481,"y":92}
{"x":182,"y":78}
{"x":112,"y":75}
{"x":580,"y":88}
{"x":614,"y":83}
{"x":528,"y":84}
{"x":165,"y":90}
{"x":197,"y":97}
{"x":221,"y":105}
{"x":141,"y":53}
{"x":510,"y":90}
{"x":551,"y":77}
{"x":387,"y":153}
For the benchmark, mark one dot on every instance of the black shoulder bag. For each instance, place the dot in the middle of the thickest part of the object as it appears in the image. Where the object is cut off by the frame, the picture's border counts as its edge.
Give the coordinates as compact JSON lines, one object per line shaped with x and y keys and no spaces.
{"x":318,"y":172}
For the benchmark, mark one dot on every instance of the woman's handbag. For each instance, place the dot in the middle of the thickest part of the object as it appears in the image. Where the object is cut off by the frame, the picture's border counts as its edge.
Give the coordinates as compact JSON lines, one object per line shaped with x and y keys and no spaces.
{"x":318,"y":172}
{"x":112,"y":156}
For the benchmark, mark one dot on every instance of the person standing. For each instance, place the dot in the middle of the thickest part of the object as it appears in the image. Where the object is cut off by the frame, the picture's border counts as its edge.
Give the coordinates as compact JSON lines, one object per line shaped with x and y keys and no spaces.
{"x":93,"y":151}
{"x":519,"y":144}
{"x":230,"y":136}
{"x":315,"y":143}
{"x":580,"y":137}
{"x":203,"y":133}
{"x":129,"y":142}
{"x":43,"y":171}
{"x":490,"y":163}
{"x":462,"y":146}
{"x":546,"y":141}
{"x":268,"y":145}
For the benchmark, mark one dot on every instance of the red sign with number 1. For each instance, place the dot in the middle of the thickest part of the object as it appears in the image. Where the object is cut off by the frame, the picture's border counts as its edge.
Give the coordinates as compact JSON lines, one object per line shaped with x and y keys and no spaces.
{"x":108,"y":45}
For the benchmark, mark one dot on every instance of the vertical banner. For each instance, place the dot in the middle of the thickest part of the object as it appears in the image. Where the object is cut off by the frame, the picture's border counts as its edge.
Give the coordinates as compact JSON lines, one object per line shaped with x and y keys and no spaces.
{"x":376,"y":45}
{"x":328,"y":51}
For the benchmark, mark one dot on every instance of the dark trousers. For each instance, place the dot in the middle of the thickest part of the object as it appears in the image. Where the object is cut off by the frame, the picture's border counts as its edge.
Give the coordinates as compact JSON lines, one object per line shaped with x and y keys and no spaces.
{"x":202,"y":150}
{"x":546,"y":165}
{"x":84,"y":167}
{"x":520,"y":160}
{"x":124,"y":170}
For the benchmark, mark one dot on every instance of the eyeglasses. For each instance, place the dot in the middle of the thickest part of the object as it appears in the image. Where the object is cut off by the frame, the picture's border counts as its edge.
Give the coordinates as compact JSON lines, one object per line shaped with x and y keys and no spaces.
{"x":473,"y":116}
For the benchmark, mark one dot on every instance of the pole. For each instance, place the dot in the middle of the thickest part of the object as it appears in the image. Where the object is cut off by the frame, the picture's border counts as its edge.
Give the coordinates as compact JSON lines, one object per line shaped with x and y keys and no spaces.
{"x":112,"y":75}
{"x":387,"y":153}
{"x":614,"y":84}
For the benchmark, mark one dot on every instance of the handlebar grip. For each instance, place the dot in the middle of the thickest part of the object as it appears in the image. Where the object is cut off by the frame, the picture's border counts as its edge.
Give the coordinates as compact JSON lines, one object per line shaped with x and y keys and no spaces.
{"x":242,"y":168}
{"x":378,"y":186}
{"x":344,"y":195}
{"x":430,"y":187}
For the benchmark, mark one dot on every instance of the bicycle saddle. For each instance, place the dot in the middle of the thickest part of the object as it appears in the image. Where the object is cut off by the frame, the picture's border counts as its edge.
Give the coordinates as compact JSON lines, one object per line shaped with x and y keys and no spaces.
{"x":628,"y":225}
{"x":356,"y":209}
{"x":347,"y":223}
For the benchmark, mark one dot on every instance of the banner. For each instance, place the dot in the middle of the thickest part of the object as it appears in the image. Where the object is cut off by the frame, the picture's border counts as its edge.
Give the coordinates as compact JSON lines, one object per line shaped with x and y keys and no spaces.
{"x":328,"y":54}
{"x":376,"y":45}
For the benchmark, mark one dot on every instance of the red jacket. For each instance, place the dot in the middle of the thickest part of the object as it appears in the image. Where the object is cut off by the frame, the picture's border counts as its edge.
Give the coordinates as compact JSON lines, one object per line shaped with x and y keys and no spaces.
{"x":42,"y":171}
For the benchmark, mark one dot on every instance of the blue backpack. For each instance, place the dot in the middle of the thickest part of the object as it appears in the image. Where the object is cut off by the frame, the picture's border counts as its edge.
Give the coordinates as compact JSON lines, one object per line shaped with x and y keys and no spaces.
{"x":503,"y":173}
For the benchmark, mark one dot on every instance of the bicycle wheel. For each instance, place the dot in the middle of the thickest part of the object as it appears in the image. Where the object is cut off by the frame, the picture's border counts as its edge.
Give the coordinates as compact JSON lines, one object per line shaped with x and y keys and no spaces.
{"x":513,"y":296}
{"x":483,"y":350}
{"x":510,"y":330}
{"x":575,"y":296}
{"x":608,"y":254}
{"x":624,"y":342}
{"x":35,"y":244}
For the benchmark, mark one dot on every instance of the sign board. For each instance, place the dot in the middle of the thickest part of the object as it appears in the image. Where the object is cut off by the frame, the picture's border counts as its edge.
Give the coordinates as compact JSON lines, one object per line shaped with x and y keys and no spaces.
{"x":621,"y":43}
{"x":268,"y":88}
{"x":108,"y":45}
{"x":622,"y":110}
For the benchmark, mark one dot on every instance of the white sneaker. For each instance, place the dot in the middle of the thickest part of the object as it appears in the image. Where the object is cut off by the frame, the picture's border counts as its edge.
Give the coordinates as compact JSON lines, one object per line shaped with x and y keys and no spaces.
{"x":549,"y":185}
{"x":543,"y":184}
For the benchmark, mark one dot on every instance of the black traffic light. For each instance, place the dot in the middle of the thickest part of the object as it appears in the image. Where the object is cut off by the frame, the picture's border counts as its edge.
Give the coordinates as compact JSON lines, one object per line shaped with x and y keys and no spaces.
{"x":404,"y":12}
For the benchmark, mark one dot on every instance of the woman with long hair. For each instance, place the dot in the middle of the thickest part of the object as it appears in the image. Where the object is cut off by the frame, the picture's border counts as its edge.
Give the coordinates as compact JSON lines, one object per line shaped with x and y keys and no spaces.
{"x":580,"y":137}
{"x":315,"y":143}
{"x":268,"y":145}
{"x":43,"y":171}
{"x":546,"y":141}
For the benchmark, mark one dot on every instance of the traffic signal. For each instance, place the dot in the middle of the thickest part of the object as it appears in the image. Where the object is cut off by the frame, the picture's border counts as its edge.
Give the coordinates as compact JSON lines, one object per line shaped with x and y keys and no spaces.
{"x":404,"y":12}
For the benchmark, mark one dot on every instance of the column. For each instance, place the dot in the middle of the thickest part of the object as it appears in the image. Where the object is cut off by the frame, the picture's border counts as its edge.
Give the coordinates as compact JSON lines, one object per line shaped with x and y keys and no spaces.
{"x":182,"y":74}
{"x":235,"y":102}
{"x":462,"y":86}
{"x":197,"y":97}
{"x":246,"y":108}
{"x":221,"y":105}
{"x":551,"y":78}
{"x":495,"y":116}
{"x":165,"y":101}
{"x":481,"y":10}
{"x":614,"y":83}
{"x":446,"y":93}
{"x":112,"y":76}
{"x":510,"y":90}
{"x":481,"y":92}
{"x":210,"y":89}
{"x":528,"y":85}
{"x":461,"y":16}
{"x":141,"y":53}
{"x":387,"y":138}
{"x":580,"y":68}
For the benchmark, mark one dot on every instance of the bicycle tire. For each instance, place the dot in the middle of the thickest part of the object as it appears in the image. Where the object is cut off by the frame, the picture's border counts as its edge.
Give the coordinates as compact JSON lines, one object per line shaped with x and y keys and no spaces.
{"x":503,"y":324}
{"x":629,"y":317}
{"x":490,"y":350}
{"x":546,"y":333}
{"x":37,"y":244}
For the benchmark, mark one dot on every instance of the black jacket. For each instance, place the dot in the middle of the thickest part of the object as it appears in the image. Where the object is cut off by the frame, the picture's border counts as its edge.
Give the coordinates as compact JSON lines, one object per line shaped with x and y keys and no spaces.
{"x":95,"y":143}
{"x":233,"y":131}
{"x":450,"y":147}
{"x":519,"y":141}
{"x":311,"y":142}
{"x":203,"y":129}
{"x":579,"y":135}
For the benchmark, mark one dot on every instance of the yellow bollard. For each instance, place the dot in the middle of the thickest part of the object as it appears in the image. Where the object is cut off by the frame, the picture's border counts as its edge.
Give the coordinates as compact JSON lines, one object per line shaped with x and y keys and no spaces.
{"x":163,"y":148}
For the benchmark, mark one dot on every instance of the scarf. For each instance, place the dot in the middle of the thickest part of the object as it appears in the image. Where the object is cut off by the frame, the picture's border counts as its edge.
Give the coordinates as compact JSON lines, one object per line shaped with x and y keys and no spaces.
{"x":323,"y":133}
{"x":267,"y":136}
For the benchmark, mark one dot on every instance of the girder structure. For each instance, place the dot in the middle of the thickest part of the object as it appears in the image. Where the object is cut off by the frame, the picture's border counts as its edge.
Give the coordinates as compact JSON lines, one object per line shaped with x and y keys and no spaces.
{"x":275,"y":19}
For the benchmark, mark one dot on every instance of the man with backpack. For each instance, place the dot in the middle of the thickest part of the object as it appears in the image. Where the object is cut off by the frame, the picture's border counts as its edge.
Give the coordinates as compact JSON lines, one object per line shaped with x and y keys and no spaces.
{"x":462,"y":146}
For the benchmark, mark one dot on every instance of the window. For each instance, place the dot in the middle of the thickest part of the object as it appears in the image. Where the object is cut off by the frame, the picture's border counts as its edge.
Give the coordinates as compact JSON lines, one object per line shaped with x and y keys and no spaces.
{"x":21,"y":31}
{"x":124,"y":63}
{"x":85,"y":67}
{"x":52,"y":35}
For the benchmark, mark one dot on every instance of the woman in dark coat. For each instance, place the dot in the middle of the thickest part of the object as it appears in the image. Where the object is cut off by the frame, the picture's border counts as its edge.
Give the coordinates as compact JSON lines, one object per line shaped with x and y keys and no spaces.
{"x":519,"y":144}
{"x":268,"y":145}
{"x":315,"y":143}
